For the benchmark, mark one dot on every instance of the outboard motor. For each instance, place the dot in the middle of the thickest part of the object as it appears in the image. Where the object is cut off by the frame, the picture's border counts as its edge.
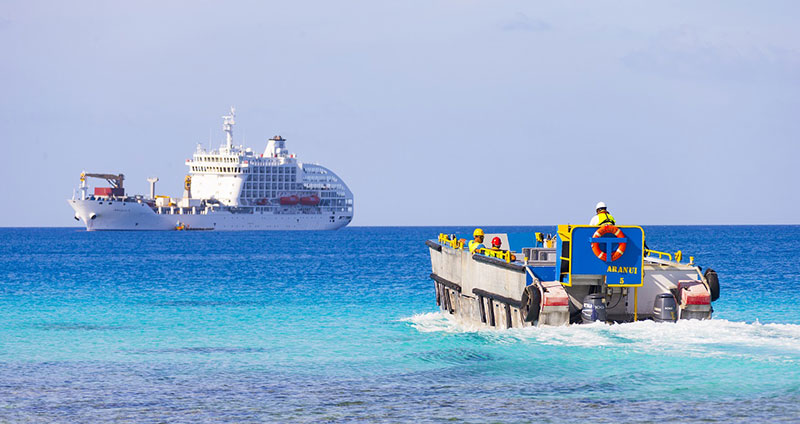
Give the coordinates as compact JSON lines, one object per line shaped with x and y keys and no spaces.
{"x":594,"y":308}
{"x":665,"y":308}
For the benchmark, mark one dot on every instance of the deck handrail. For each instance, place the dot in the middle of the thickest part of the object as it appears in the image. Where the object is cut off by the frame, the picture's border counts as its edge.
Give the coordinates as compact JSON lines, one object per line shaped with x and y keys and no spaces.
{"x":649,"y":252}
{"x":453,"y":242}
{"x":499,"y":254}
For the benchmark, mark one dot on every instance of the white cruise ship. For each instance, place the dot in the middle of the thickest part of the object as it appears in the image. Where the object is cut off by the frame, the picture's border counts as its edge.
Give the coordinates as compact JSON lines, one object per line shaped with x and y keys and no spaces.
{"x":232,"y":188}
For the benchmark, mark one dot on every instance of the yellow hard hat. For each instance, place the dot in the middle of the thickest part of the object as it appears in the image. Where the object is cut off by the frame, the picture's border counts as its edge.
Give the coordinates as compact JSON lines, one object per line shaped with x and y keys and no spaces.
{"x":477,"y":232}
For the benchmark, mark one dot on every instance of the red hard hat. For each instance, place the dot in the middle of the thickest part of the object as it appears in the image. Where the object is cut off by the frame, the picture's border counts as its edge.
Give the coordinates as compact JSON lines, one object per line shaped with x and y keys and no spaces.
{"x":496,"y":241}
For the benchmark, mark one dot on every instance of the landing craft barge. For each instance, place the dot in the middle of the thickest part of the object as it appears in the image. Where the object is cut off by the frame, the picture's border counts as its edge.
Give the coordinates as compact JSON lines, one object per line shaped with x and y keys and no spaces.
{"x":232,"y":188}
{"x":585,"y":274}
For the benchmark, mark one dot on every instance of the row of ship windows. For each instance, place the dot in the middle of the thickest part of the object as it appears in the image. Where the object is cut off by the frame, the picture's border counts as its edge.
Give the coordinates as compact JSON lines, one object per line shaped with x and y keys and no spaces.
{"x":270,"y":186}
{"x":319,"y":178}
{"x":256,"y":193}
{"x":323,"y":186}
{"x":332,"y":194}
{"x":287,"y":178}
{"x":235,"y":169}
{"x":273,"y":170}
{"x":218,"y":169}
{"x":217,"y":159}
{"x":264,"y":194}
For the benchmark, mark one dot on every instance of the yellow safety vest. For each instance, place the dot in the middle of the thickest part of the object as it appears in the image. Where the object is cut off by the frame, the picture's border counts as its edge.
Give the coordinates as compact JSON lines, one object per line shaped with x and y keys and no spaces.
{"x":605,"y":218}
{"x":473,"y":245}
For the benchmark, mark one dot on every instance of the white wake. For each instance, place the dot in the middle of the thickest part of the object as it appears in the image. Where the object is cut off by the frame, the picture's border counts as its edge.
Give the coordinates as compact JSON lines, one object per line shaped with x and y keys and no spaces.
{"x":715,"y":337}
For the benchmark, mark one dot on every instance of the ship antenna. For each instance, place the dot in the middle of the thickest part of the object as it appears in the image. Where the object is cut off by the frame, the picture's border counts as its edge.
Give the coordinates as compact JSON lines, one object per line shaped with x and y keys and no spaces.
{"x":227,"y":126}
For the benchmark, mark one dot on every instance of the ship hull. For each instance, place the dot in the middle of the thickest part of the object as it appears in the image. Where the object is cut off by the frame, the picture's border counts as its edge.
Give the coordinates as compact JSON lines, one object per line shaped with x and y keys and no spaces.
{"x":134,"y":216}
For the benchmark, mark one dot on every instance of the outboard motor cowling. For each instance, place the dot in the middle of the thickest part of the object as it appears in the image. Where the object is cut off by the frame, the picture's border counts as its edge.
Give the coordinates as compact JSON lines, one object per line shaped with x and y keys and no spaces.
{"x":594,"y":308}
{"x":665,"y":308}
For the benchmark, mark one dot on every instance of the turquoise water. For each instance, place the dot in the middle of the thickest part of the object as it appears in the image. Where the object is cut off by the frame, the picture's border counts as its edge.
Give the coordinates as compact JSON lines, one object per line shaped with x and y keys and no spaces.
{"x":343,"y":327}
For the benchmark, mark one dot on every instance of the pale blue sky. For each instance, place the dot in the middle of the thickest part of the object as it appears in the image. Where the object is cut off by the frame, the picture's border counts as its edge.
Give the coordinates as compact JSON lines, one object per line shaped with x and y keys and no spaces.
{"x":434,"y":112}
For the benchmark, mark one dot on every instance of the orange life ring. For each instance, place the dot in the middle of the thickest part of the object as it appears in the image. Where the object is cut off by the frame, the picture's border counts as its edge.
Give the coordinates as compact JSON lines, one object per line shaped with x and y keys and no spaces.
{"x":608,"y":229}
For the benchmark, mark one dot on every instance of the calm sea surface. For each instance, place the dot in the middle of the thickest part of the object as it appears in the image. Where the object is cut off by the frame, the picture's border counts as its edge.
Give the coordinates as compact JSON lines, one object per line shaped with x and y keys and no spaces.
{"x":342,"y":327}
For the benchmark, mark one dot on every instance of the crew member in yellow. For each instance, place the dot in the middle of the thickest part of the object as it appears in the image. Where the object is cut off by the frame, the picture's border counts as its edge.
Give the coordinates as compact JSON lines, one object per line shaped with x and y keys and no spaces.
{"x":477,"y":242}
{"x":496,"y":243}
{"x":602,"y":217}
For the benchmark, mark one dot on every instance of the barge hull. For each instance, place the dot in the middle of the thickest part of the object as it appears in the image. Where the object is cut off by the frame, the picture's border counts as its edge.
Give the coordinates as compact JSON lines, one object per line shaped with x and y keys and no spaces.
{"x":482,"y":290}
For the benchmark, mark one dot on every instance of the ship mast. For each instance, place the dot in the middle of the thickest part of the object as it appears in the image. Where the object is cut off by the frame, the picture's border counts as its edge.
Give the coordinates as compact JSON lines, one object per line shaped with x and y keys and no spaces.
{"x":227,"y":126}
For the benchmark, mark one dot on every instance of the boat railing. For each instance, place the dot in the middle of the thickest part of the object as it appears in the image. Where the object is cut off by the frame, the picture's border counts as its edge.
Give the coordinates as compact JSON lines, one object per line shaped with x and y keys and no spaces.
{"x":451,"y":240}
{"x":678,"y":256}
{"x":499,"y":254}
{"x":649,"y":252}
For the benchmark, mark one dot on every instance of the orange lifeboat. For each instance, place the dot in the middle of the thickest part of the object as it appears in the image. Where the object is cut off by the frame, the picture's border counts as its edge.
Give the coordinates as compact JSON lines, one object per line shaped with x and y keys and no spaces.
{"x":261,"y":202}
{"x":312,"y":200}
{"x":290,"y":200}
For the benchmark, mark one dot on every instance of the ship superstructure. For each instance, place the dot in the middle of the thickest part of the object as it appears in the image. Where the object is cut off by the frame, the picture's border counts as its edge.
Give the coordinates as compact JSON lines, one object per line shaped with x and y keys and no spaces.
{"x":229,"y":188}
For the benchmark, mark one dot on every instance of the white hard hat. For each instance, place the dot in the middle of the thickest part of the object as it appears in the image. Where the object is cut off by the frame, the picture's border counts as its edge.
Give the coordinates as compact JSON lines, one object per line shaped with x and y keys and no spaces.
{"x":600,"y":205}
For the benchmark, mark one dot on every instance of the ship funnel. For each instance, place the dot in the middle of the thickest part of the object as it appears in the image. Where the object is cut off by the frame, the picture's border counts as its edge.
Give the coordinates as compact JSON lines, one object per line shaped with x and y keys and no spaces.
{"x":276,"y":146}
{"x":152,"y":181}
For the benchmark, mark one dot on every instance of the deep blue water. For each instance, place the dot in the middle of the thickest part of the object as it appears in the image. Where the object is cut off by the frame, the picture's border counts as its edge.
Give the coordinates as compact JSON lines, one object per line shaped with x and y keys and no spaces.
{"x":342,"y":326}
